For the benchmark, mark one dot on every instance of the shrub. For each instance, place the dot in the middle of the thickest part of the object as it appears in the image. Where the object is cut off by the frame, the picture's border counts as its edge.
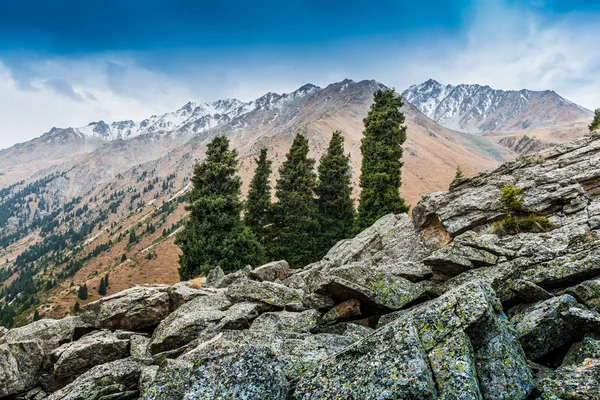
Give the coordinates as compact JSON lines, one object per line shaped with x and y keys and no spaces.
{"x":517,"y":219}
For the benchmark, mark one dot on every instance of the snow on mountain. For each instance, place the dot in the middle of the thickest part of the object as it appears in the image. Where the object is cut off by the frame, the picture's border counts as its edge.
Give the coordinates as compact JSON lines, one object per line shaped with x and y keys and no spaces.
{"x":476,"y":108}
{"x":191,"y":117}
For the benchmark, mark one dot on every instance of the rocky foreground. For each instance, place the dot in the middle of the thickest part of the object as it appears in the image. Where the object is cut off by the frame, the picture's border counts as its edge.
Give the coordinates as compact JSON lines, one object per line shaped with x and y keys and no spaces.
{"x":434,"y":307}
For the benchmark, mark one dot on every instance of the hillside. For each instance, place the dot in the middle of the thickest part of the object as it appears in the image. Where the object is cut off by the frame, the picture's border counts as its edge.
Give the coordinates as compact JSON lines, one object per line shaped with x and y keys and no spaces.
{"x":70,"y":223}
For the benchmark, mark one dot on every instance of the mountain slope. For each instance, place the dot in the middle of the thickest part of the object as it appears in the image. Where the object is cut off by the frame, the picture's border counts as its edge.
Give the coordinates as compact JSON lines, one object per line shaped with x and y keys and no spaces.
{"x":476,"y":108}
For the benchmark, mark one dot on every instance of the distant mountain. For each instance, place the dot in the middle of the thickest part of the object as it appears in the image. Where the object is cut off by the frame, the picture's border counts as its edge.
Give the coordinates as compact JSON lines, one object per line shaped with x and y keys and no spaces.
{"x":476,"y":108}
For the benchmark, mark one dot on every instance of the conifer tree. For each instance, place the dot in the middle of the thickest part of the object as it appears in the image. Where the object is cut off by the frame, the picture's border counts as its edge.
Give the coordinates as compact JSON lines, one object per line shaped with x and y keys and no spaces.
{"x":214,"y":233}
{"x":595,"y":125}
{"x":258,"y":204}
{"x":381,"y":149}
{"x":36,"y":315}
{"x":295,"y":216}
{"x":77,"y":307}
{"x":82,"y":293}
{"x":102,"y":287}
{"x":458,"y":174}
{"x":334,"y":195}
{"x":106,"y":279}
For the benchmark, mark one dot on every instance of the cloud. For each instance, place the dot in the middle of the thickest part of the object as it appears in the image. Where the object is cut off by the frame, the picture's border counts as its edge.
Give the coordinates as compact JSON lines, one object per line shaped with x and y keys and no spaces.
{"x":63,"y":88}
{"x":506,"y":45}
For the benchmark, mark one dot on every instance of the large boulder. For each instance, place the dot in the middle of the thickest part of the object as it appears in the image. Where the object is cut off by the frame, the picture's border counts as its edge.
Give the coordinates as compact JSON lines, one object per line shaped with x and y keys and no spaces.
{"x":547,"y":325}
{"x":271,"y":293}
{"x":276,"y":270}
{"x":457,"y":344}
{"x":138,"y":308}
{"x":578,"y":381}
{"x":304,"y":322}
{"x":73,"y":359}
{"x":589,"y":347}
{"x":113,"y":380}
{"x":185,"y":323}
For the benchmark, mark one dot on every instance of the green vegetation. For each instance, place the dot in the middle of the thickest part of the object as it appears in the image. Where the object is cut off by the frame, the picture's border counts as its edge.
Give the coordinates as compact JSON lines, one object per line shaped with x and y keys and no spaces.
{"x":517,"y":219}
{"x":82,"y":293}
{"x":381,"y":148}
{"x":295,"y":215}
{"x":334,"y":195}
{"x":595,"y":125}
{"x":458,"y":174}
{"x":258,"y":204}
{"x":214,"y":233}
{"x":102,"y":287}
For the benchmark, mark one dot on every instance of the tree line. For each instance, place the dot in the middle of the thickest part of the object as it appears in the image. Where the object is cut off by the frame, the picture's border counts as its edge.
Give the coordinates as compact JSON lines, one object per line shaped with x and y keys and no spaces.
{"x":313,"y":209}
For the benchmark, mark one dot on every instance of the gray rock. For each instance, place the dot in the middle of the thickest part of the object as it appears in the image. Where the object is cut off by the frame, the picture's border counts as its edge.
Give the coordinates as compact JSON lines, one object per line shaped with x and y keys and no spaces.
{"x":578,"y":381}
{"x":20,"y":365}
{"x":73,"y":359}
{"x":547,"y":325}
{"x":182,"y":292}
{"x":588,"y":293}
{"x":352,"y":331}
{"x":133,"y":309}
{"x":394,"y":361}
{"x":349,"y":309}
{"x":214,"y":277}
{"x":589,"y":347}
{"x":185,"y":323}
{"x":139,"y":347}
{"x":114,"y":380}
{"x":303,"y":322}
{"x":271,"y":271}
{"x":457,"y":258}
{"x":529,"y":292}
{"x":274,"y":294}
{"x":34,"y":394}
{"x":147,"y":378}
{"x":61,"y":330}
{"x":241,"y":315}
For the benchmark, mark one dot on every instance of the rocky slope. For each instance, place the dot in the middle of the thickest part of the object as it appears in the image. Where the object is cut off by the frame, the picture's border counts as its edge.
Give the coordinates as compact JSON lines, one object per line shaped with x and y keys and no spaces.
{"x":435,"y":307}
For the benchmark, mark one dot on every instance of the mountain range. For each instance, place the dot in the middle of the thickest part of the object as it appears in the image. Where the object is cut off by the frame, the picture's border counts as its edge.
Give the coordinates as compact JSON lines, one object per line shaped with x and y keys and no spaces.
{"x":70,"y":199}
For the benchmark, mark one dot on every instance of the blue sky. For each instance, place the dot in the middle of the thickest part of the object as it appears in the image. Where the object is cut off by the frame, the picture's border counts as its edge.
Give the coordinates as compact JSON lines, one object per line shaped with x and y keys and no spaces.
{"x":65,"y":63}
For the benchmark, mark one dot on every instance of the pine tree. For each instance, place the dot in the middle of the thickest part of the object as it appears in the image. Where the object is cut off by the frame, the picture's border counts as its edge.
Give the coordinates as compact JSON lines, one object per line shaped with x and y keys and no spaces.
{"x":36,"y":315}
{"x":258,"y":204}
{"x":77,"y":307}
{"x":458,"y":174}
{"x":295,"y":215}
{"x":214,"y":234}
{"x":102,"y":287}
{"x":381,"y":149}
{"x":82,"y":293}
{"x":595,"y":125}
{"x":334,"y":195}
{"x":123,"y":257}
{"x":106,"y":279}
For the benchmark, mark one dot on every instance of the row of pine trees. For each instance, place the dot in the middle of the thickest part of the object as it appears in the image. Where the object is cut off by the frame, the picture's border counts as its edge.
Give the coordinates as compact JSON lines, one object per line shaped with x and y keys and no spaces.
{"x":313,"y":211}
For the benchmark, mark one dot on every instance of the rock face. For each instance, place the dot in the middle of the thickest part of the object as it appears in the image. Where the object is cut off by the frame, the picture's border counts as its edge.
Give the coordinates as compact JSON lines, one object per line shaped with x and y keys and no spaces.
{"x":438,"y":308}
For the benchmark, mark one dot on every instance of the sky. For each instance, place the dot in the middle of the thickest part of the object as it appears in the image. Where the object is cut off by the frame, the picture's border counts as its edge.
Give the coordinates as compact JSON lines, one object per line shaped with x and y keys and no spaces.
{"x":69,"y":62}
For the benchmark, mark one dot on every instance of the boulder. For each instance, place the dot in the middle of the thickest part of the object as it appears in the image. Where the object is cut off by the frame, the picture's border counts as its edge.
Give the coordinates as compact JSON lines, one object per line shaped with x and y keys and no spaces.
{"x":547,"y":325}
{"x":241,"y":315}
{"x":274,"y":294}
{"x":113,"y":380}
{"x":579,"y":381}
{"x":349,"y":309}
{"x":276,"y":270}
{"x":214,"y":277}
{"x":73,"y":359}
{"x":303,"y":322}
{"x":140,"y":307}
{"x":589,"y":347}
{"x":182,"y":292}
{"x":423,"y":354}
{"x":457,"y":258}
{"x":185,"y":323}
{"x":587,"y":293}
{"x":54,"y":330}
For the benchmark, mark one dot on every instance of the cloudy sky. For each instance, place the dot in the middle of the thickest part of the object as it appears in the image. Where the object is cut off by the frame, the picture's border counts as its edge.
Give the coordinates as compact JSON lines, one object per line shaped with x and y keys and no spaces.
{"x":68,"y":62}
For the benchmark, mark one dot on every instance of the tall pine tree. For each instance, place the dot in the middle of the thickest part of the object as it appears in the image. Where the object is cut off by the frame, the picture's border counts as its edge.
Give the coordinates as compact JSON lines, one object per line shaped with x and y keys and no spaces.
{"x":381,"y":149}
{"x":334,"y":195}
{"x":214,"y":234}
{"x":295,"y":216}
{"x":258,"y":204}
